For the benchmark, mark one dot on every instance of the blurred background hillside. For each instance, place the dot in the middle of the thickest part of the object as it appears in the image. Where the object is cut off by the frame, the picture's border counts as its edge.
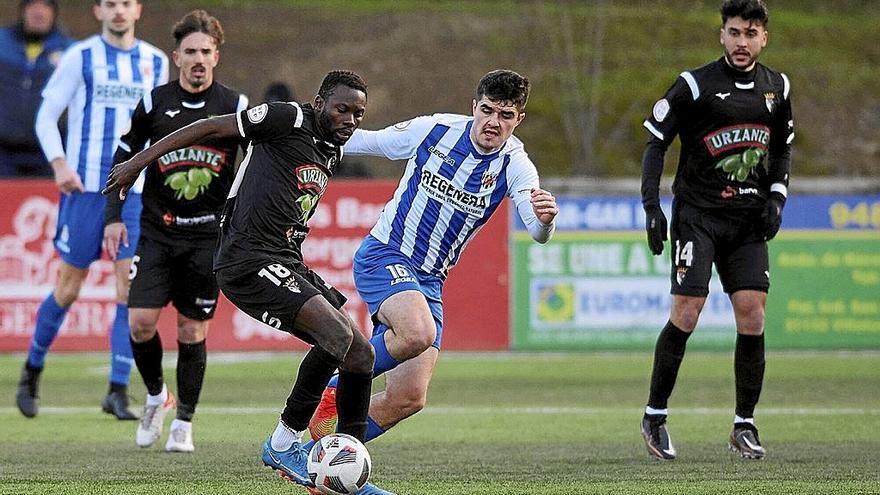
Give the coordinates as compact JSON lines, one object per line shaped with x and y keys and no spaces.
{"x":596,"y":66}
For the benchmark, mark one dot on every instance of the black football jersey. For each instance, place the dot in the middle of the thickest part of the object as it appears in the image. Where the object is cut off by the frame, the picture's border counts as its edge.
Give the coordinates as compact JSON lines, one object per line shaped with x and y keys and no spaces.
{"x":278,"y":185}
{"x":735,"y":130}
{"x":185,"y":189}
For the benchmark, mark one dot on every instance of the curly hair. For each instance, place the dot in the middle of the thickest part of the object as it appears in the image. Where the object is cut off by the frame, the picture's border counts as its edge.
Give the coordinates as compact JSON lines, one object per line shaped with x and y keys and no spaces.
{"x":198,"y":21}
{"x":504,"y":86}
{"x":749,"y":10}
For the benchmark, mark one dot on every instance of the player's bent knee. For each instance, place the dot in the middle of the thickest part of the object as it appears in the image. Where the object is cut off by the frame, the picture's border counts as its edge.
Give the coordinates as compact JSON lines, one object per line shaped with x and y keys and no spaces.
{"x":418,"y":340}
{"x":337,"y":339}
{"x":141,"y":331}
{"x":66,"y":295}
{"x":360,"y":356}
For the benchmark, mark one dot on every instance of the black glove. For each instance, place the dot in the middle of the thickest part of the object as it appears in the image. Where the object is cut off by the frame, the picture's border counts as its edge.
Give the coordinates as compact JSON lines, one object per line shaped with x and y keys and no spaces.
{"x":772,"y":215}
{"x":655,"y":224}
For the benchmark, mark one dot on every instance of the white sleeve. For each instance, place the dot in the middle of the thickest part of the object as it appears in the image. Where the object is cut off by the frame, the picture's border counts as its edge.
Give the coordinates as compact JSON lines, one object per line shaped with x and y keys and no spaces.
{"x":520,"y":192}
{"x":396,"y":142}
{"x":57,"y":95}
{"x":163,"y":77}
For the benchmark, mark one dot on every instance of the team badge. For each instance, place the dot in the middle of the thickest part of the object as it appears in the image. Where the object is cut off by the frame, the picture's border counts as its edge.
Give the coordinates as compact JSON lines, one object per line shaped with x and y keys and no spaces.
{"x":770,"y":101}
{"x":489,"y":180}
{"x":680,"y":273}
{"x":258,"y":113}
{"x":661,"y":110}
{"x":146,"y":70}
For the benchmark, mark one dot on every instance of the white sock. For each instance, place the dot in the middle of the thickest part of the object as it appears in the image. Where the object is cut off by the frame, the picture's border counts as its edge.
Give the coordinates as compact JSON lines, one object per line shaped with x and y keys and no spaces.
{"x":738,"y":419}
{"x":653,"y":412}
{"x":283,"y":437}
{"x":179,"y":424}
{"x":158,"y":400}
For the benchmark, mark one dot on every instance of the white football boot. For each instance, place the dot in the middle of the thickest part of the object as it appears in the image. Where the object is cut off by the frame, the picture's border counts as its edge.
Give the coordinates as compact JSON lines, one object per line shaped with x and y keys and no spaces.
{"x":152,"y":420}
{"x":180,"y":438}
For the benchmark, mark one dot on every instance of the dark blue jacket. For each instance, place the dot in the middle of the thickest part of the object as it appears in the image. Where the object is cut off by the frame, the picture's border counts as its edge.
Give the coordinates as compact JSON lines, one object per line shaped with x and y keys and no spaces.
{"x":21,"y":84}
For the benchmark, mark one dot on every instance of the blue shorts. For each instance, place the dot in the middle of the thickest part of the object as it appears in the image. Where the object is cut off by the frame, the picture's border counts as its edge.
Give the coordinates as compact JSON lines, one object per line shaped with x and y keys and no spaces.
{"x":381,"y":271}
{"x":80,"y":229}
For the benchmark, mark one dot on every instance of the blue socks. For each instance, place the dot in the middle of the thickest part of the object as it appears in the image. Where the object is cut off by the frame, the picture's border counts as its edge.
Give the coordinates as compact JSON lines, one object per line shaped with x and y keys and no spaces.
{"x":373,"y":429}
{"x":121,"y":357}
{"x":50,"y":316}
{"x":384,"y":362}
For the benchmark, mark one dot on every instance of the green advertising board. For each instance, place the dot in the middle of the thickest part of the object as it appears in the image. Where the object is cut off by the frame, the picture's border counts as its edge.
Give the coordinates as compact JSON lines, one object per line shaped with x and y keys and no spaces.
{"x":596,"y":286}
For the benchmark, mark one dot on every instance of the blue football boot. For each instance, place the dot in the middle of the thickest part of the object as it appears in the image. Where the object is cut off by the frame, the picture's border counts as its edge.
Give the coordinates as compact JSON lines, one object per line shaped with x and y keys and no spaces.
{"x":371,"y":489}
{"x":290,"y":464}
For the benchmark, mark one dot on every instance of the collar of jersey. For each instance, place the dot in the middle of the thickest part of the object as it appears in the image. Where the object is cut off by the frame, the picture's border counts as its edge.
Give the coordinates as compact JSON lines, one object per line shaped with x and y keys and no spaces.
{"x":134,"y":47}
{"x":737,"y":75}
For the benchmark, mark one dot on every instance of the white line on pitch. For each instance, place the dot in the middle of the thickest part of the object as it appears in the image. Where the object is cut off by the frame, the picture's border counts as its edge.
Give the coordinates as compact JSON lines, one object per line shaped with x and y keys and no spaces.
{"x":462,"y":410}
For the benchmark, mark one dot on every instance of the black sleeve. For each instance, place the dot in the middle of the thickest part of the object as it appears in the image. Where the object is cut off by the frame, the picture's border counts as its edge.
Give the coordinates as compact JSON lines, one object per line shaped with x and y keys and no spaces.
{"x":652,"y":169}
{"x":269,"y":120}
{"x":663,"y":126}
{"x":781,"y":136}
{"x":129,"y":144}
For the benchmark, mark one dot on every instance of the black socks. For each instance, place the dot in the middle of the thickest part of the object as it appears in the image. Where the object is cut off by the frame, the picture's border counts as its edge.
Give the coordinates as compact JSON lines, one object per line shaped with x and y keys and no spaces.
{"x":353,"y":403}
{"x":314,"y":373}
{"x":748,"y":367}
{"x":668,"y":354}
{"x":148,"y":358}
{"x":191,"y":361}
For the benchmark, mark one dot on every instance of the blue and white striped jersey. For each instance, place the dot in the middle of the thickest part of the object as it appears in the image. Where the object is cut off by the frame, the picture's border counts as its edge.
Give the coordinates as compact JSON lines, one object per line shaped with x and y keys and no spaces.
{"x":99,"y":86}
{"x":448,"y":190}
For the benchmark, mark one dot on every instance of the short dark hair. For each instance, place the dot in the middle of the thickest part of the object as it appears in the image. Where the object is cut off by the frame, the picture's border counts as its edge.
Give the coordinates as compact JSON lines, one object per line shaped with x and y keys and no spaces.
{"x":749,"y":10}
{"x":98,"y":2}
{"x":198,"y":21}
{"x":335,"y":78}
{"x":505,"y":86}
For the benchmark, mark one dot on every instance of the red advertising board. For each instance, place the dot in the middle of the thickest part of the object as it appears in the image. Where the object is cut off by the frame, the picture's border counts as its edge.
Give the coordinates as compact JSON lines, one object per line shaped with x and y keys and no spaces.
{"x":475,"y":296}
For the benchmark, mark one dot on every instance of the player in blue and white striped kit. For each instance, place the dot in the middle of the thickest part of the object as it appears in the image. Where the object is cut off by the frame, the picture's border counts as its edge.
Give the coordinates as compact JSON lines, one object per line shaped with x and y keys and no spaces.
{"x":460,"y":168}
{"x":99,"y":81}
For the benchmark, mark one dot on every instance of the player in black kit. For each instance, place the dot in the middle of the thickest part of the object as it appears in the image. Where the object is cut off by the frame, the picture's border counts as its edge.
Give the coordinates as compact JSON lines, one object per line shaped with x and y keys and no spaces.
{"x":294,"y":150}
{"x":184,"y":192}
{"x":733,"y":117}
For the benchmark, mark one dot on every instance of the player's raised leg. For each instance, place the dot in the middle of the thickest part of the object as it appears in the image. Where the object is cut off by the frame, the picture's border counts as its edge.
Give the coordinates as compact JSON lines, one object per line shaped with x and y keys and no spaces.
{"x":408,"y":328}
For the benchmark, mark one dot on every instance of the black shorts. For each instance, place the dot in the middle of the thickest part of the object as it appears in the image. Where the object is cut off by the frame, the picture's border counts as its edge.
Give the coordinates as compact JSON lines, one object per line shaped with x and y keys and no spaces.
{"x":163,"y":272}
{"x":273,"y":291}
{"x":733,"y":241}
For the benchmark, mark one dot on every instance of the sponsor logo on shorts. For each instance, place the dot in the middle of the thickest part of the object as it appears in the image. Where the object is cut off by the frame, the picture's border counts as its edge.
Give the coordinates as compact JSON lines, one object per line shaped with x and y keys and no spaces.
{"x":205,"y":302}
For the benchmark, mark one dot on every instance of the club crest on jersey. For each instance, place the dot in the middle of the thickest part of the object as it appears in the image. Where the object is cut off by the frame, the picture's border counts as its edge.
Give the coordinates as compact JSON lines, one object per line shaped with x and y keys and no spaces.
{"x":770,"y":101}
{"x":258,"y":113}
{"x":489,"y":179}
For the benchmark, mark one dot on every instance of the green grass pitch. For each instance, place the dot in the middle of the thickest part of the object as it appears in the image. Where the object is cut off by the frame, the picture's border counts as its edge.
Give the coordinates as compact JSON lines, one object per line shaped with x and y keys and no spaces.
{"x":506,"y":423}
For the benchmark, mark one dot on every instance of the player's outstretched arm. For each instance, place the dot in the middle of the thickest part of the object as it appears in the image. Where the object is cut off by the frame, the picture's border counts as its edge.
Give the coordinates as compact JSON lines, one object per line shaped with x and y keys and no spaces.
{"x":124,"y":174}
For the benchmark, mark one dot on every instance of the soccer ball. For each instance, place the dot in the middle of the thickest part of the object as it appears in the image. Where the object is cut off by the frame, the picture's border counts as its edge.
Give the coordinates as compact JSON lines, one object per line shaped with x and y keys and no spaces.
{"x":339,"y":464}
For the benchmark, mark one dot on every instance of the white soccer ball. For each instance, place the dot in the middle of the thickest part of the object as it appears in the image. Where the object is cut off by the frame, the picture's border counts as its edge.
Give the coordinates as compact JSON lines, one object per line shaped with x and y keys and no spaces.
{"x":339,"y":464}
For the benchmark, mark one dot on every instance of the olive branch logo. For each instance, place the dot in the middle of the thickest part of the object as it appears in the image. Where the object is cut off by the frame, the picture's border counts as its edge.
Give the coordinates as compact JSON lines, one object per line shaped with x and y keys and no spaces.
{"x":190,"y":183}
{"x":739,"y":166}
